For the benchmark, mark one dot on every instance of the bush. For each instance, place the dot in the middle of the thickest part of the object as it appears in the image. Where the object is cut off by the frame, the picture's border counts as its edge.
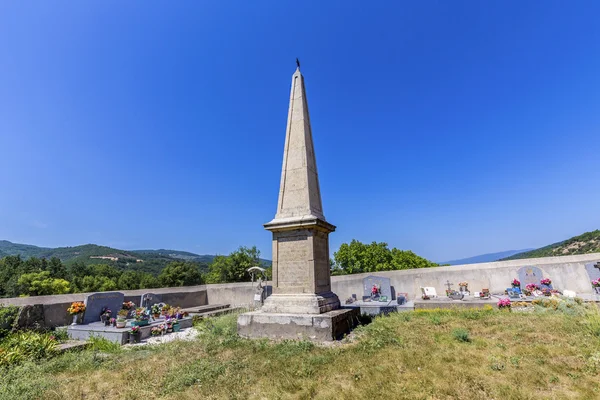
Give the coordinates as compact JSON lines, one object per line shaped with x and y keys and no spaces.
{"x":7,"y":319}
{"x":462,"y":335}
{"x":24,"y":346}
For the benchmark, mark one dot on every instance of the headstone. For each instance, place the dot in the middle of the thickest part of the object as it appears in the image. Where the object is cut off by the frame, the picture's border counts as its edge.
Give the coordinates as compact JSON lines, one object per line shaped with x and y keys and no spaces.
{"x":382,"y":283}
{"x":150,"y":299}
{"x":529,"y":275}
{"x":94,"y":303}
{"x":593,"y":270}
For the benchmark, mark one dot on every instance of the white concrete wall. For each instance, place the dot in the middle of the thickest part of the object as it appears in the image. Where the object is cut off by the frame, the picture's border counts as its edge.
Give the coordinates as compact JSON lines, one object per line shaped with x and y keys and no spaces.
{"x":566,"y":272}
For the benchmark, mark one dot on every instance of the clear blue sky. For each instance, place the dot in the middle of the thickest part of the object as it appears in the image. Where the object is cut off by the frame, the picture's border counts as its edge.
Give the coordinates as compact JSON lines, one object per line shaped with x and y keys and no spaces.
{"x":448,"y":128}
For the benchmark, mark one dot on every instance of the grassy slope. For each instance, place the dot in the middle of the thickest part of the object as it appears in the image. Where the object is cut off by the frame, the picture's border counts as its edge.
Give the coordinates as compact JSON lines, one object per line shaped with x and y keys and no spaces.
{"x":407,"y":355}
{"x":588,"y":242}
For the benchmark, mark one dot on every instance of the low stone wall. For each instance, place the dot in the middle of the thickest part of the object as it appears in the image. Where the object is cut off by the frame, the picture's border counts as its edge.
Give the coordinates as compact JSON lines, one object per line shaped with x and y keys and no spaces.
{"x":567,"y":273}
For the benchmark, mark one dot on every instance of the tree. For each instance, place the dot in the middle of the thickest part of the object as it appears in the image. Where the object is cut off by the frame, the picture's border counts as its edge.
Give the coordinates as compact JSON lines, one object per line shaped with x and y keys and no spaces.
{"x":180,"y":273}
{"x":233,"y":268}
{"x":57,"y":269}
{"x":40,"y":284}
{"x":358,"y":257}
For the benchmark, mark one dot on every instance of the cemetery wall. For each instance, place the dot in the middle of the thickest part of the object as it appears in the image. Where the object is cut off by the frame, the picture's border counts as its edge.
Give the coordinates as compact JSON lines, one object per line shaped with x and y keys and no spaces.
{"x":55,"y":307}
{"x":567,"y":273}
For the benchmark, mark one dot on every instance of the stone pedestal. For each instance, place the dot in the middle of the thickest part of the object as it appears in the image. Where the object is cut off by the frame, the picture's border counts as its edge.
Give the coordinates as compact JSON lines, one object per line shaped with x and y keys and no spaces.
{"x":332,"y":325}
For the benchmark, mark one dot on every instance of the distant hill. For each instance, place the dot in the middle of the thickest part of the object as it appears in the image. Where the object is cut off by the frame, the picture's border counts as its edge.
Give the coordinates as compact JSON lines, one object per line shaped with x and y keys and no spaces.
{"x":588,"y":242}
{"x":483,"y":258}
{"x":142,"y":260}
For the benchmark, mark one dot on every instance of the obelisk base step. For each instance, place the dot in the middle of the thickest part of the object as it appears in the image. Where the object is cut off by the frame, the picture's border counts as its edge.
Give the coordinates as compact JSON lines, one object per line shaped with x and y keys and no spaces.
{"x":328,"y":326}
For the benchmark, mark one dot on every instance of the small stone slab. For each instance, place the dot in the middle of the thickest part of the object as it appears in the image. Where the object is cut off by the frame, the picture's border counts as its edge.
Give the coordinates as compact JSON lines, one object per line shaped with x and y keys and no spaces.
{"x":529,"y":275}
{"x":94,"y":304}
{"x":150,"y":299}
{"x":385,"y":288}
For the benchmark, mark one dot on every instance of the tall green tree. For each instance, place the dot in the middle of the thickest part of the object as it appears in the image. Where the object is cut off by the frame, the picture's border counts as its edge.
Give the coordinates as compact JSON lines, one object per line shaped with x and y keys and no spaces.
{"x":180,"y":273}
{"x":233,"y":268}
{"x":41,"y":284}
{"x":357,"y":257}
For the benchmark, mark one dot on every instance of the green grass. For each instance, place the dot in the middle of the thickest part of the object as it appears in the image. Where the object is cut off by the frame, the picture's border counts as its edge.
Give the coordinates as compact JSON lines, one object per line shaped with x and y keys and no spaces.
{"x":428,"y":354}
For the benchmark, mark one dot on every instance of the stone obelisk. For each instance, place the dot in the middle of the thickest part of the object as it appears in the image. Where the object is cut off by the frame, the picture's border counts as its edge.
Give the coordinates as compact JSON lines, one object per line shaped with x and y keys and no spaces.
{"x":302,"y":303}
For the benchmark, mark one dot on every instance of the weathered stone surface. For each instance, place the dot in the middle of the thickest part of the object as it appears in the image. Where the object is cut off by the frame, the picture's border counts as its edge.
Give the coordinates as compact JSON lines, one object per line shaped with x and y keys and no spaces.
{"x":328,"y":326}
{"x":31,"y":317}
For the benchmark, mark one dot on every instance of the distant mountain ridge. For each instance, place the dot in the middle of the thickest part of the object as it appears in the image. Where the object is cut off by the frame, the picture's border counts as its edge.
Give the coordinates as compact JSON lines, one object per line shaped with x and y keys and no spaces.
{"x":585,"y":243}
{"x":483,"y":258}
{"x":92,"y":253}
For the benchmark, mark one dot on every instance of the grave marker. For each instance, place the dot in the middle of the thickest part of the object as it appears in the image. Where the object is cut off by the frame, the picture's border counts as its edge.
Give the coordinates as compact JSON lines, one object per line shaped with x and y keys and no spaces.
{"x":94,"y":303}
{"x":385,"y":289}
{"x":529,"y":275}
{"x":150,"y":299}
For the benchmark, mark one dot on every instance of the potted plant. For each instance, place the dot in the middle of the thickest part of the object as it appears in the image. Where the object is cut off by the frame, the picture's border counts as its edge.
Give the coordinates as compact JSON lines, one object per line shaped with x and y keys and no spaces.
{"x":156,"y":330}
{"x":463,"y":286}
{"x":596,"y":285}
{"x":531,"y":287}
{"x":105,"y":315}
{"x":165,"y":310}
{"x":155,"y":310}
{"x":515,"y":283}
{"x":546,"y":282}
{"x":141,"y":317}
{"x":504,"y":304}
{"x":169,"y":327}
{"x":135,"y":334}
{"x":75,"y":310}
{"x":176,"y":326}
{"x":546,"y":292}
{"x":122,"y":318}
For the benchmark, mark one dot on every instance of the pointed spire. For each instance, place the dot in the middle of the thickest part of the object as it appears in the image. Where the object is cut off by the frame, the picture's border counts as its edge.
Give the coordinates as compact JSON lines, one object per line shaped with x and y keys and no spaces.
{"x":299,"y":192}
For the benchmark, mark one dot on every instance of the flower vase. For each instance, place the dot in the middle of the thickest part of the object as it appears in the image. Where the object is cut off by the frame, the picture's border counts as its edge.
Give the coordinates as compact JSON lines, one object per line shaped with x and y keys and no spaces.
{"x":132,"y":338}
{"x":597,"y":289}
{"x":463,"y":288}
{"x":75,"y":316}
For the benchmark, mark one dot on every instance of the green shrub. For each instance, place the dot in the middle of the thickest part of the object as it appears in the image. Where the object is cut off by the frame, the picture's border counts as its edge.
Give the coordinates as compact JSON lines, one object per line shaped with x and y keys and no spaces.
{"x":23,"y":346}
{"x":462,"y":335}
{"x":7,"y":319}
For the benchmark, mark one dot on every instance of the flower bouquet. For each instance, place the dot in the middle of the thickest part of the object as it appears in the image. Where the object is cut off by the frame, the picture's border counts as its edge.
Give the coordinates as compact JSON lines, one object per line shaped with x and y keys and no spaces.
{"x":155,"y":310}
{"x":128,"y":305}
{"x":515,"y":283}
{"x":596,"y":285}
{"x":504,"y":304}
{"x":546,"y":282}
{"x":76,"y":308}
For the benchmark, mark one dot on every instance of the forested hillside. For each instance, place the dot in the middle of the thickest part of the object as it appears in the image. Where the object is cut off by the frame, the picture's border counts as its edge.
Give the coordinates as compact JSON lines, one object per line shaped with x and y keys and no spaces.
{"x":118,"y":270}
{"x":588,"y":242}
